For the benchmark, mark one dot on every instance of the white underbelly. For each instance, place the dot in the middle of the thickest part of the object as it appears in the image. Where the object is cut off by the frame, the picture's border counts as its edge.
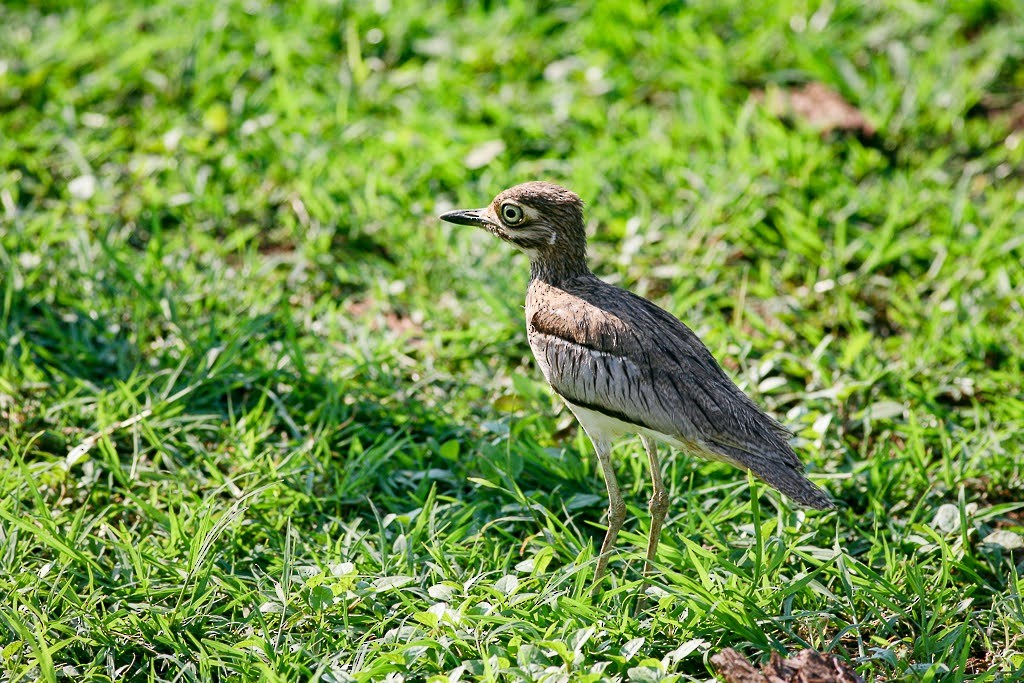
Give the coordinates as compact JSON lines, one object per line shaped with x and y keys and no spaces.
{"x":603,"y":428}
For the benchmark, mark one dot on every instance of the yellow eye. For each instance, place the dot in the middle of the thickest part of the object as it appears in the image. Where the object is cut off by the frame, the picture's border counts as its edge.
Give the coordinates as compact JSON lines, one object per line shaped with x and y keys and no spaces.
{"x":511,"y":213}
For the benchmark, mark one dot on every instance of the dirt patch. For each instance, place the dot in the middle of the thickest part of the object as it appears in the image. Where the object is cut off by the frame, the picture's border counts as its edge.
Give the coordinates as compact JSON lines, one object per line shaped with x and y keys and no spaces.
{"x":806,"y":666}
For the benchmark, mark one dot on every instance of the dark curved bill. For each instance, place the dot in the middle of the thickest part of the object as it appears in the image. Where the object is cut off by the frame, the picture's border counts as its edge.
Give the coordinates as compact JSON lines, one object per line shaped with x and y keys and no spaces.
{"x":466,"y":217}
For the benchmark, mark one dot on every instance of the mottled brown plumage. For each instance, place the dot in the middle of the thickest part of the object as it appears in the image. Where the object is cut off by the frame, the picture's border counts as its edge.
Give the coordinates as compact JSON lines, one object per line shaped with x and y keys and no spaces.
{"x":624,"y":365}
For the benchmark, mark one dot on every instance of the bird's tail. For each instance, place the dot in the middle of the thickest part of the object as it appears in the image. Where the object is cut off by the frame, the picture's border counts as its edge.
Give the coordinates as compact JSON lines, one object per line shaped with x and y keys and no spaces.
{"x":781,"y":471}
{"x":797,"y":487}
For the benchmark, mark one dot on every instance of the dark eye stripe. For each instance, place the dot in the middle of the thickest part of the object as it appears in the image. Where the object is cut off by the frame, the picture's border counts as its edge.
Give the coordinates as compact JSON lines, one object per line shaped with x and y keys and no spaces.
{"x":530,"y":238}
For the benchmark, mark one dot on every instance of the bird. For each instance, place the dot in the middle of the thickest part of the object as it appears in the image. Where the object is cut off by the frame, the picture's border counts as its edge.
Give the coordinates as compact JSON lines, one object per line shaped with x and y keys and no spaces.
{"x":623,"y":365}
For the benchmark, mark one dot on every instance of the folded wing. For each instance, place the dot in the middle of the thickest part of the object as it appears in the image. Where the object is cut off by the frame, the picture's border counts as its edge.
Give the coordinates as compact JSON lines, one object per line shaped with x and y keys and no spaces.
{"x":629,"y":359}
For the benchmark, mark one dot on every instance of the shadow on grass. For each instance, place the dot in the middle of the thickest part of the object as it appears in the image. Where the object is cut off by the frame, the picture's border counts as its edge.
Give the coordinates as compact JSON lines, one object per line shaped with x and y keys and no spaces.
{"x":78,"y":374}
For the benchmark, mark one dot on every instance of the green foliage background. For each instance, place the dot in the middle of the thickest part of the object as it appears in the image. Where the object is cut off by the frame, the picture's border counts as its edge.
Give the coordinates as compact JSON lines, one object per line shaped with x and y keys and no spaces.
{"x":263,"y":417}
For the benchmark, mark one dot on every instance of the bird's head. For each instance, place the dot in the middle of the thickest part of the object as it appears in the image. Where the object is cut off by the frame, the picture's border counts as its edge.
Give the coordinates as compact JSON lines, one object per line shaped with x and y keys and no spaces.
{"x":542,"y":219}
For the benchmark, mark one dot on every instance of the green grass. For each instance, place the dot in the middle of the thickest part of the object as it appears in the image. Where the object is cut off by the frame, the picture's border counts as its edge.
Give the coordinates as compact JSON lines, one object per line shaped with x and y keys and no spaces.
{"x":264,"y":417}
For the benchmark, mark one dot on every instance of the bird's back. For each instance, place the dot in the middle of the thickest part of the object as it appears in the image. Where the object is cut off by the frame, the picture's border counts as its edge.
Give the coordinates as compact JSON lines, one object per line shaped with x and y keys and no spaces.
{"x":610,"y":351}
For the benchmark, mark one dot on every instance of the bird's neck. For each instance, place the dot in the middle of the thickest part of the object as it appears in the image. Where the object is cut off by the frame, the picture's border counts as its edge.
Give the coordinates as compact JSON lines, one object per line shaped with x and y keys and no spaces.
{"x":556,"y":268}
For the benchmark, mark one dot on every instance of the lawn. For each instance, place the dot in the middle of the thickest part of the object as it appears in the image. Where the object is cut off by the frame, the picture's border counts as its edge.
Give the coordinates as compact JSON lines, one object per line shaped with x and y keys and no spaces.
{"x":264,"y":417}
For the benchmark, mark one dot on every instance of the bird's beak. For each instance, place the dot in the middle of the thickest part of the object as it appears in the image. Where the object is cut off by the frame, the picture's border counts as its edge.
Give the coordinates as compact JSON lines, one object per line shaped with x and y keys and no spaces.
{"x":467,"y":217}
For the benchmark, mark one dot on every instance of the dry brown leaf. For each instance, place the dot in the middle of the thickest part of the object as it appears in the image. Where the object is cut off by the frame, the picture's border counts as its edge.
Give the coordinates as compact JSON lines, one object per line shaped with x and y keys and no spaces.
{"x":806,"y":666}
{"x":818,"y":106}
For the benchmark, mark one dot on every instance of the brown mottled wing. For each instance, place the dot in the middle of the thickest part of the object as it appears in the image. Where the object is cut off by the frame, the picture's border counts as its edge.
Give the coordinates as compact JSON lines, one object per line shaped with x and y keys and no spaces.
{"x":614,"y":352}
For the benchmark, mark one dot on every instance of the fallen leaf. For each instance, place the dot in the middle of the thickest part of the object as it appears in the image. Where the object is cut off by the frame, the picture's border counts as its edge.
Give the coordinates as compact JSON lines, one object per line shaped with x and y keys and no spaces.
{"x":1008,"y":540}
{"x":818,"y":106}
{"x":83,"y":187}
{"x":947,"y":518}
{"x":806,"y":666}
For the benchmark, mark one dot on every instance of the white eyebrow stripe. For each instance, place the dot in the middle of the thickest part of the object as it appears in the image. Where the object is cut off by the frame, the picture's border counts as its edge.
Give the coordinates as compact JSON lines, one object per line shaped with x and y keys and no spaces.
{"x":530,"y":213}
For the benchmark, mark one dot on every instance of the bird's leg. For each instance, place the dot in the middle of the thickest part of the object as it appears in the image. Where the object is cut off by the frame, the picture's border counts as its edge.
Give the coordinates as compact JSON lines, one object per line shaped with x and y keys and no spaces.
{"x":658,"y":504}
{"x":616,"y":506}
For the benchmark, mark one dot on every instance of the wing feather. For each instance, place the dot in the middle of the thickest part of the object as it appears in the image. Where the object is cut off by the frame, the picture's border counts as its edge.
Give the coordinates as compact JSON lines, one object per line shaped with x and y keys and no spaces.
{"x":645,"y":367}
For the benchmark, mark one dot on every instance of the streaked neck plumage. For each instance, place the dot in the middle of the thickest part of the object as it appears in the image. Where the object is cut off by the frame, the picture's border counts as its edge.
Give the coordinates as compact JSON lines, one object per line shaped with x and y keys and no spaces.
{"x":557,"y":267}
